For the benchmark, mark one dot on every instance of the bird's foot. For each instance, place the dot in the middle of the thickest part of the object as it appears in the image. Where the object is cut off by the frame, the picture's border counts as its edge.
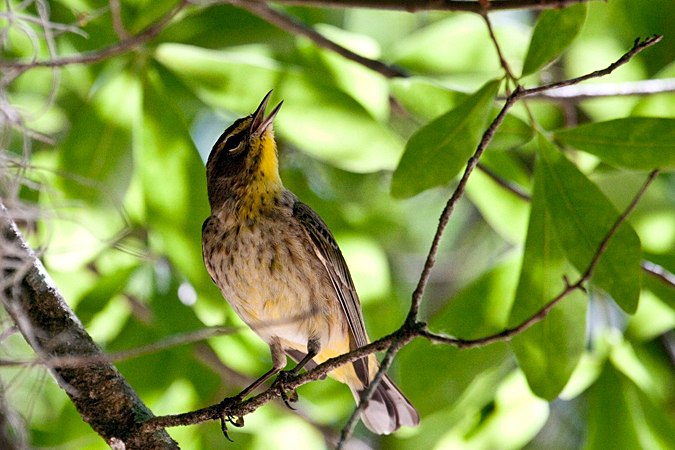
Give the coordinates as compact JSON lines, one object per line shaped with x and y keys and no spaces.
{"x":282,"y":379}
{"x":226,"y":417}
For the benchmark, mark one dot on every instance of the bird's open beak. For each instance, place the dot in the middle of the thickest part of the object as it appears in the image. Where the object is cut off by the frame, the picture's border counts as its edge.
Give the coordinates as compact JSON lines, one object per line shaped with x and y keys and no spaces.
{"x":260,"y":123}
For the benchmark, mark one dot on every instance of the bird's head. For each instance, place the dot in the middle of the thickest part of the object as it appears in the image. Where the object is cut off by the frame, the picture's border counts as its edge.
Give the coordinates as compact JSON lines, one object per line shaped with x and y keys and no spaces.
{"x":244,"y":158}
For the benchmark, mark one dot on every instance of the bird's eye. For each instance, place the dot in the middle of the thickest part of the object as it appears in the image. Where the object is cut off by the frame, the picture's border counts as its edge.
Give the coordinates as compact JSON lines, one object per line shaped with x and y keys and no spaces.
{"x":234,"y":143}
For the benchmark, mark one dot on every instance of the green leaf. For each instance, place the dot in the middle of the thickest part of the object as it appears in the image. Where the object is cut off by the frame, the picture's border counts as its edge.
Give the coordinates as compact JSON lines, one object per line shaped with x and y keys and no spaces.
{"x":554,"y":32}
{"x":324,"y":122}
{"x":641,"y":143}
{"x":610,"y":423}
{"x":424,"y":97}
{"x":438,"y":151}
{"x":548,"y":351}
{"x":459,"y":368}
{"x":482,"y":308}
{"x":582,"y":216}
{"x":173,"y":179}
{"x":102,"y":292}
{"x":512,"y":133}
{"x":97,"y":153}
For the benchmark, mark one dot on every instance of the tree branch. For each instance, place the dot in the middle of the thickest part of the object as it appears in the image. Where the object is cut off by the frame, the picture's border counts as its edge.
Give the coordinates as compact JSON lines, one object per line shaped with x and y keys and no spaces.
{"x":294,"y":26}
{"x":162,"y":344}
{"x":437,"y":5}
{"x":517,"y":94}
{"x":585,"y":92}
{"x":659,"y":272}
{"x":543,"y":312}
{"x":101,"y":395}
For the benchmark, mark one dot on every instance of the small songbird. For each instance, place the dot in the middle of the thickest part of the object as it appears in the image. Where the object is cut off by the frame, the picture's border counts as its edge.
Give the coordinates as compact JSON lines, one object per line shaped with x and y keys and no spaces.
{"x":279,"y":267}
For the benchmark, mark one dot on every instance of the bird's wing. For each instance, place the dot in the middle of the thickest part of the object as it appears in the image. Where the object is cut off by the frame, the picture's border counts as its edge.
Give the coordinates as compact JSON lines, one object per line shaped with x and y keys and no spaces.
{"x":329,"y":254}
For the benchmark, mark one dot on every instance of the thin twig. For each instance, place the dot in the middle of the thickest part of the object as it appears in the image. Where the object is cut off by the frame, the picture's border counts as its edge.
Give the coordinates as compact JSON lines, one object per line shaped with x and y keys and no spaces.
{"x":116,"y":14}
{"x":163,"y":344}
{"x":487,"y":136}
{"x":659,"y":272}
{"x":543,"y":312}
{"x":502,"y":60}
{"x":294,"y":26}
{"x":437,"y":5}
{"x":514,"y":189}
{"x":638,"y":46}
{"x":348,"y":429}
{"x":108,"y":52}
{"x":585,"y":92}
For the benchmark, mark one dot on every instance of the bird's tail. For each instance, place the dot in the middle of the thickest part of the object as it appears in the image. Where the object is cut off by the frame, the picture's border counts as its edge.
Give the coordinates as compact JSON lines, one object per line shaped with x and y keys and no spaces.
{"x":387,"y":409}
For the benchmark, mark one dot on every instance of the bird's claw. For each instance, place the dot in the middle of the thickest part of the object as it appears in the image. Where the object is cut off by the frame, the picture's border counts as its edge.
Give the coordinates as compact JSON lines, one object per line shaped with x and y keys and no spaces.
{"x":292,"y":396}
{"x":223,"y":427}
{"x":225,"y":417}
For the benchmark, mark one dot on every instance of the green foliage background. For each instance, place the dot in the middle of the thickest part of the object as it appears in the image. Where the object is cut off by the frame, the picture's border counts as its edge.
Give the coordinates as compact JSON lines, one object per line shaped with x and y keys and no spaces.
{"x":121,"y":197}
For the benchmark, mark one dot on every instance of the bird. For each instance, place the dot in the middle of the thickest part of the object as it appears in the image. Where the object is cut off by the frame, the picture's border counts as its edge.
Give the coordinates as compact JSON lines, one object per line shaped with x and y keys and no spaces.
{"x":279,"y":267}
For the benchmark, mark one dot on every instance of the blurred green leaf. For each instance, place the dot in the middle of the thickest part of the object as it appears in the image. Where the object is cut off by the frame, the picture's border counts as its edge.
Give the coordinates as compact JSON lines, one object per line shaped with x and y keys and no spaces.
{"x":174,"y":181}
{"x":326,"y":123}
{"x":505,"y":211}
{"x":654,"y":417}
{"x":510,"y":167}
{"x":512,"y":133}
{"x":102,"y":292}
{"x":482,"y":308}
{"x":424,"y":362}
{"x":367,"y":87}
{"x":204,"y":27}
{"x":460,"y":46}
{"x":641,"y":143}
{"x":425,"y":97}
{"x":548,"y":351}
{"x":582,"y":216}
{"x":96,"y":156}
{"x":610,"y":424}
{"x":155,"y":372}
{"x":554,"y":32}
{"x":652,"y":319}
{"x":438,"y":151}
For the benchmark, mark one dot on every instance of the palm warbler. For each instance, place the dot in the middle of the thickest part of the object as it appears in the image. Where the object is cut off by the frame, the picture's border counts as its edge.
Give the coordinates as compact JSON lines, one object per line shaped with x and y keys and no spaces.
{"x":279,"y":267}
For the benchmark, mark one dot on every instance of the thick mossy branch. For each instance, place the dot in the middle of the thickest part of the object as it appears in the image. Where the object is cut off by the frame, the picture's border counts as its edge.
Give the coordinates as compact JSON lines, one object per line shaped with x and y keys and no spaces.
{"x":100,"y":393}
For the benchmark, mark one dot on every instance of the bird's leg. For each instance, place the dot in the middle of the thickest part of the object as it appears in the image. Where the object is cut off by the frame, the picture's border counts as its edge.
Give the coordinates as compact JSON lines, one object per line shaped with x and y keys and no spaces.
{"x":278,"y":363}
{"x":313,"y":348}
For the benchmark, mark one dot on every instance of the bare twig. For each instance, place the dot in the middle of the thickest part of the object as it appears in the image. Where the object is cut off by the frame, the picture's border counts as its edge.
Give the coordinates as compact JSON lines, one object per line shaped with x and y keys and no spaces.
{"x":638,"y":46}
{"x":437,"y":5}
{"x":163,"y":344}
{"x":113,"y":50}
{"x":506,"y":184}
{"x":487,"y":136}
{"x":117,"y":23}
{"x":294,"y":26}
{"x":585,"y":92}
{"x":659,"y":272}
{"x":502,"y":60}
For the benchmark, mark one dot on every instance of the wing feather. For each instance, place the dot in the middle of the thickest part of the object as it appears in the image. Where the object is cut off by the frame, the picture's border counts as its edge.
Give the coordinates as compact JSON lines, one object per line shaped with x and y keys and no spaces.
{"x":329,"y":254}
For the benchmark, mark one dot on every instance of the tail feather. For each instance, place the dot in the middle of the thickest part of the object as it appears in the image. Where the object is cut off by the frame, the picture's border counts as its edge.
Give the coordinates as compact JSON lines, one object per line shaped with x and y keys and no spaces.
{"x":387,"y":409}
